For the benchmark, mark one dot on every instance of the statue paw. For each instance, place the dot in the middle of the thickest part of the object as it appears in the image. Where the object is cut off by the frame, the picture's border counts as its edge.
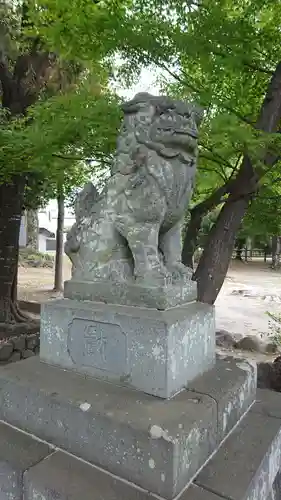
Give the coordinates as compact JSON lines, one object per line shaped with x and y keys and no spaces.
{"x":154,"y":277}
{"x":180,"y":272}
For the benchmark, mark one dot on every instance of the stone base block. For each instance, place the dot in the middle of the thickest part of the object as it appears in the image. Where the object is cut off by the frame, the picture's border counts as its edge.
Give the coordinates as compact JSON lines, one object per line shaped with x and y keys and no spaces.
{"x":157,"y":444}
{"x":63,"y":477}
{"x":157,"y":297}
{"x":246,"y":465}
{"x":158,"y":352}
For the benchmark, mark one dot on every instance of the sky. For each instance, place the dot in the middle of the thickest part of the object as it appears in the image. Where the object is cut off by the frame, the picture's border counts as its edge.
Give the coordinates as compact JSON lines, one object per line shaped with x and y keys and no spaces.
{"x":147,"y":83}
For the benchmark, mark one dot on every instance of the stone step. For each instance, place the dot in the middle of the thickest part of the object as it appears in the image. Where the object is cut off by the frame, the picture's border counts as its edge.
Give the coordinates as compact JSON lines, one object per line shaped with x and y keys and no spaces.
{"x":158,"y":444}
{"x":246,"y":465}
{"x":63,"y":477}
{"x":18,"y":452}
{"x":34,"y":470}
{"x":244,"y":468}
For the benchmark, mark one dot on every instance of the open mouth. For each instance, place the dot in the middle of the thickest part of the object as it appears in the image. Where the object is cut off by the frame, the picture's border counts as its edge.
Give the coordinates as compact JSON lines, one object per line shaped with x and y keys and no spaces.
{"x":171,"y":132}
{"x":188,"y":133}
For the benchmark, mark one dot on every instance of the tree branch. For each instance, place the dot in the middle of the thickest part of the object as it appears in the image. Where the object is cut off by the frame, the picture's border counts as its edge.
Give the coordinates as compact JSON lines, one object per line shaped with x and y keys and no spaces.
{"x":219,"y":158}
{"x":71,"y":158}
{"x":82,"y":158}
{"x":186,"y":82}
{"x":254,"y":67}
{"x":220,"y":174}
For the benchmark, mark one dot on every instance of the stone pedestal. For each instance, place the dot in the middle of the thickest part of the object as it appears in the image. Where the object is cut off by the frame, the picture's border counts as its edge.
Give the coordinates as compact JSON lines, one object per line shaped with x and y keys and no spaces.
{"x":156,"y":444}
{"x":158,"y":352}
{"x":132,"y":294}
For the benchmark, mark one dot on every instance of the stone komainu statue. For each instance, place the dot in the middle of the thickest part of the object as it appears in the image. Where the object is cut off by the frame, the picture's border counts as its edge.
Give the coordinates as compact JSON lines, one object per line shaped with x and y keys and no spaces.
{"x":131,"y":232}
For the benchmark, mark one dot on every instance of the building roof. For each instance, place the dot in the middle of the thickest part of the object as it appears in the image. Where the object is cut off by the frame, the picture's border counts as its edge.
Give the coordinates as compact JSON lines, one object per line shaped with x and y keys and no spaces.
{"x":46,"y":232}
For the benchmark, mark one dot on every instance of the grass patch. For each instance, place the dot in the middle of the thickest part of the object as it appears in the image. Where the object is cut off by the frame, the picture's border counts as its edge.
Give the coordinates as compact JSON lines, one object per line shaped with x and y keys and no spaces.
{"x":31,"y":258}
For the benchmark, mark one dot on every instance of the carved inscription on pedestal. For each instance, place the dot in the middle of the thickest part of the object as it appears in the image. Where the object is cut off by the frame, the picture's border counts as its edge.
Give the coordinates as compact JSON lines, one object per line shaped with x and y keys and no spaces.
{"x":97,"y":344}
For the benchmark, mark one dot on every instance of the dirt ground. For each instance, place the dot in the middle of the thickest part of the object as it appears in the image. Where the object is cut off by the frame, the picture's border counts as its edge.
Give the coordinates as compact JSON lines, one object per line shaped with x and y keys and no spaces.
{"x":250,"y":290}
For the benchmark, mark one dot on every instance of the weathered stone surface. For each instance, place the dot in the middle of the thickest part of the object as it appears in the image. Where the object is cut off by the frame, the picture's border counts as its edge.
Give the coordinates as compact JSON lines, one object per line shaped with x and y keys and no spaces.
{"x":9,"y":330}
{"x":19,"y":343}
{"x":32,"y":341}
{"x":194,"y":492}
{"x":16,"y":356}
{"x":6,"y":351}
{"x":132,"y":231}
{"x":250,"y":343}
{"x":270,"y":348}
{"x":157,"y":297}
{"x":158,"y":444}
{"x":269,"y":375}
{"x":268,"y":403}
{"x":248,"y":461}
{"x":158,"y":352}
{"x":276,"y":489}
{"x":232,"y":384}
{"x":27,"y":353}
{"x":18,"y":452}
{"x":275,"y":493}
{"x":65,"y":478}
{"x":265,"y":375}
{"x":225,"y":339}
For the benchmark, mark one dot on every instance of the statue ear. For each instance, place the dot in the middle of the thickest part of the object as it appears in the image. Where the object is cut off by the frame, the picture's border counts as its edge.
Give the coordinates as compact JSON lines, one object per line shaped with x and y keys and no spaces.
{"x":198,"y":114}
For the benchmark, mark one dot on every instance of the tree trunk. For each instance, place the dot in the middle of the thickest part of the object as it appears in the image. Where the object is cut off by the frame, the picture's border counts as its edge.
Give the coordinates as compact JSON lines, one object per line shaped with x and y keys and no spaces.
{"x":58,"y":285}
{"x":32,"y":224}
{"x":239,"y":248}
{"x":11,"y":201}
{"x":196,"y":215}
{"x":20,"y":89}
{"x":248,"y":249}
{"x":191,"y":237}
{"x":276,"y":249}
{"x":214,"y":262}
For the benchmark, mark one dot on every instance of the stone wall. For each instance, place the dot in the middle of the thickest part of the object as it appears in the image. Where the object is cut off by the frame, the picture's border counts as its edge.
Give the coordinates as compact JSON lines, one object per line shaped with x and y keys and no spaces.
{"x":17,"y":348}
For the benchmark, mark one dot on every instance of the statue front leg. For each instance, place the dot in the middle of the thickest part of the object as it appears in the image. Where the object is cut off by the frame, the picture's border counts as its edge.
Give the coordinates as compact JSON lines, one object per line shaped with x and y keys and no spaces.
{"x":170,"y":246}
{"x":143,"y":242}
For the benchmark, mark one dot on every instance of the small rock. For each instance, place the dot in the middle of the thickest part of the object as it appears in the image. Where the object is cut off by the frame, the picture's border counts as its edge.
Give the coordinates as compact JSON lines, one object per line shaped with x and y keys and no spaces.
{"x":32,"y":341}
{"x":270,"y":348}
{"x":16,"y":356}
{"x":6,"y":351}
{"x":225,"y":340}
{"x":27,"y":353}
{"x":237,"y":337}
{"x":250,"y":343}
{"x":269,"y":375}
{"x":265,"y":375}
{"x":221,"y":332}
{"x":19,"y":343}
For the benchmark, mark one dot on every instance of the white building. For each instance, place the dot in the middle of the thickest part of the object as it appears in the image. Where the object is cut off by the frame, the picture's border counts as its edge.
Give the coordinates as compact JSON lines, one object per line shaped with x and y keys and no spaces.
{"x":47,"y":227}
